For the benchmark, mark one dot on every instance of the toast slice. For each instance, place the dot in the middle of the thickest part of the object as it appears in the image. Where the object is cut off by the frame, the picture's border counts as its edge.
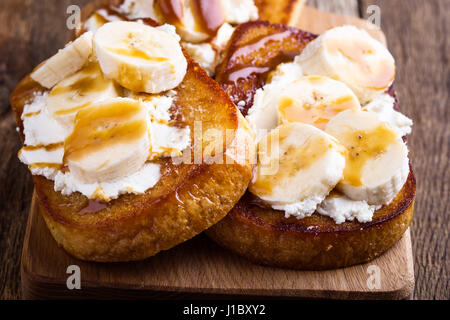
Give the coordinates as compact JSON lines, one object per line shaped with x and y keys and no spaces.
{"x":188,"y":198}
{"x":263,"y":234}
{"x":254,"y":50}
{"x":280,"y":11}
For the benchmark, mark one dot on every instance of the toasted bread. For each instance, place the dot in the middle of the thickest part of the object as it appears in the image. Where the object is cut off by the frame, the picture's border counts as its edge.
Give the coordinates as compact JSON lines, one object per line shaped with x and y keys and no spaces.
{"x":280,"y":11}
{"x":188,"y":198}
{"x":254,"y":50}
{"x":263,"y":234}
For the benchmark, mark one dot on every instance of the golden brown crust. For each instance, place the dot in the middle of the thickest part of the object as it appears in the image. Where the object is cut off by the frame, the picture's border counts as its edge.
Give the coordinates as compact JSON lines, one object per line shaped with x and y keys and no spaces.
{"x":283,"y":44}
{"x":262,"y":234}
{"x":188,"y":198}
{"x":279,"y":11}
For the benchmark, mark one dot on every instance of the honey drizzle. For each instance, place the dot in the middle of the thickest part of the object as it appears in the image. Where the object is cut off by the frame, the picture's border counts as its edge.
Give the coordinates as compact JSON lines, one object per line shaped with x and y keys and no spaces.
{"x":172,"y":10}
{"x":375,"y":76}
{"x":93,"y":206}
{"x":316,"y":114}
{"x":295,"y":159}
{"x":362,"y":146}
{"x":48,"y":147}
{"x":100,"y":127}
{"x":259,"y":44}
{"x":208,"y":15}
{"x":136,"y":53}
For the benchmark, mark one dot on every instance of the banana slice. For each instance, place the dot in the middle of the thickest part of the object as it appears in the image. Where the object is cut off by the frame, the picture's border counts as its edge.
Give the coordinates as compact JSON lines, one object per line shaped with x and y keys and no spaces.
{"x":110,"y":140}
{"x":67,"y":61}
{"x":78,"y":91}
{"x":139,"y":57}
{"x":377,"y":164}
{"x":298,"y":165}
{"x":315,"y":100}
{"x":196,"y":21}
{"x":352,"y":56}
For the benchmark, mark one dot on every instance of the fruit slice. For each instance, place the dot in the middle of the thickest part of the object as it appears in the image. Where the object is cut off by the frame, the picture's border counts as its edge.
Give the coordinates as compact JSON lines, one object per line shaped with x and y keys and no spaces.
{"x":196,"y":21}
{"x":78,"y":91}
{"x":67,"y":61}
{"x":298,"y":165}
{"x":352,"y":56}
{"x":315,"y":100}
{"x":139,"y":57}
{"x":110,"y":140}
{"x":377,"y":162}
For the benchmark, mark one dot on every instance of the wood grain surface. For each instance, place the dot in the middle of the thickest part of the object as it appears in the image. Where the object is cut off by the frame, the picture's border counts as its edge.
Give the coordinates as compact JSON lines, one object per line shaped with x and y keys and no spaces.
{"x":416,"y":30}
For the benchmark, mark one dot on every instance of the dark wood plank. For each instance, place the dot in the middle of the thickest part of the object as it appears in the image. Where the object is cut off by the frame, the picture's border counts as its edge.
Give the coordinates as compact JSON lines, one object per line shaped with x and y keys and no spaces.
{"x":417,"y":33}
{"x":30,"y":31}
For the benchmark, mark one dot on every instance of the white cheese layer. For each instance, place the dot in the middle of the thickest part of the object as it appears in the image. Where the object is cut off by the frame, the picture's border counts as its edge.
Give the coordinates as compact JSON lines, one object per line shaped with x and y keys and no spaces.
{"x":136,"y":183}
{"x":134,"y":9}
{"x":341,"y":208}
{"x":39,"y":131}
{"x":240,"y":11}
{"x":40,"y":128}
{"x":383,"y":106}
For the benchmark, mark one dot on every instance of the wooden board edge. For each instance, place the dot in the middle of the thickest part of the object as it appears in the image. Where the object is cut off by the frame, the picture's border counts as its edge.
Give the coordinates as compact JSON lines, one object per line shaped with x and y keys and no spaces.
{"x":35,"y":286}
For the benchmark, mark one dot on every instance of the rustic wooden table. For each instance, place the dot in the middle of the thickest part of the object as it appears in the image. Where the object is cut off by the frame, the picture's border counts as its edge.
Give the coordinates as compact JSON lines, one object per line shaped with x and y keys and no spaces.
{"x":32,"y":30}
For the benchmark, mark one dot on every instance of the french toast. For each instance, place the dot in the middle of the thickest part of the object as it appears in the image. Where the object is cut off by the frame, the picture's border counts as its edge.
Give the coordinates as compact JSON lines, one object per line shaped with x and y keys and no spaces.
{"x":264,"y":235}
{"x":186,"y":200}
{"x":280,"y":11}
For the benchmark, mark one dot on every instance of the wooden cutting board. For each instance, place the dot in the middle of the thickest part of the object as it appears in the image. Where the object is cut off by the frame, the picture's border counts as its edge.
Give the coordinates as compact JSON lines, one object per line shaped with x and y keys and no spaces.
{"x":201,"y":269}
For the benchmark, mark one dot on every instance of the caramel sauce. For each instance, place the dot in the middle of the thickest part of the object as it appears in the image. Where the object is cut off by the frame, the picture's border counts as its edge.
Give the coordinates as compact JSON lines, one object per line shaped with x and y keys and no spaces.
{"x":208,"y":15}
{"x":102,"y":126}
{"x":92,"y":206}
{"x":172,"y":11}
{"x":290,"y":162}
{"x":32,"y":114}
{"x":316,"y":114}
{"x":243,"y":73}
{"x":136,"y":53}
{"x":92,"y":80}
{"x":363,"y":146}
{"x":259,"y":44}
{"x":373,"y":75}
{"x":56,"y":166}
{"x":48,"y":147}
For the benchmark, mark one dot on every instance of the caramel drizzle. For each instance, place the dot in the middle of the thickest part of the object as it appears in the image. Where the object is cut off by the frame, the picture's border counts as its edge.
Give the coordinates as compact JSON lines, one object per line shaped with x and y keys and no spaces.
{"x":48,"y":147}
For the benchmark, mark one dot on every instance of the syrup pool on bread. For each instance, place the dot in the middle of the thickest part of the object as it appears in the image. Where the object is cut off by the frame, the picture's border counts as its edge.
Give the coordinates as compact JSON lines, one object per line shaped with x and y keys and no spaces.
{"x":329,"y":132}
{"x":96,"y":129}
{"x":205,"y":26}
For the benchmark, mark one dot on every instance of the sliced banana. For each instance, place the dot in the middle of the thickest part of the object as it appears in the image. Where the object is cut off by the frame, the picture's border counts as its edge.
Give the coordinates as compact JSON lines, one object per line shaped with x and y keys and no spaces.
{"x":298,"y":165}
{"x":196,"y":21}
{"x":67,"y":61}
{"x":78,"y":91}
{"x":315,"y":100}
{"x":352,"y":56}
{"x":377,"y":164}
{"x":110,"y":140}
{"x":139,"y":57}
